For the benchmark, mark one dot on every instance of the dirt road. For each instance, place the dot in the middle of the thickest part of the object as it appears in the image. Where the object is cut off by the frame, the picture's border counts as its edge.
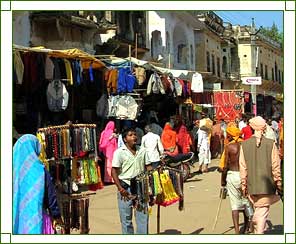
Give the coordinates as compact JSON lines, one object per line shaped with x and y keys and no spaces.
{"x":200,"y":207}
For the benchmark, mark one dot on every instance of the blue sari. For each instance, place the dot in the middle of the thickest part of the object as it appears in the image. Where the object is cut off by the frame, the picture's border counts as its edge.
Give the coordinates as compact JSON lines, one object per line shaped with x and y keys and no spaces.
{"x":28,"y":186}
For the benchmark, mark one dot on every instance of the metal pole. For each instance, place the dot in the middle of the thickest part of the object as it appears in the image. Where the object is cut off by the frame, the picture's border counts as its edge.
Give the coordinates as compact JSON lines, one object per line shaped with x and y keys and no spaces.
{"x":253,"y":87}
{"x":158,"y":218}
{"x":136,"y":53}
{"x":254,"y":57}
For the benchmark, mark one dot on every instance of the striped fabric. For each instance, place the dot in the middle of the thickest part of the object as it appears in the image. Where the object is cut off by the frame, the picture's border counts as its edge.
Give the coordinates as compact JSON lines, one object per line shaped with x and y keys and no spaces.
{"x":28,"y":186}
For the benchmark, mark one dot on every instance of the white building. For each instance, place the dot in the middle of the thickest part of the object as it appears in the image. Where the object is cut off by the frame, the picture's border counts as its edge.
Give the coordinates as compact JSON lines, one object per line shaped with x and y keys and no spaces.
{"x":170,"y":38}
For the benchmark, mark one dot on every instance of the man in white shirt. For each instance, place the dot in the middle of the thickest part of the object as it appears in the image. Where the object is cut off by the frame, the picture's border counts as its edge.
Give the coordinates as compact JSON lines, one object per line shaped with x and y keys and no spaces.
{"x":153,"y":145}
{"x":203,"y":146}
{"x":243,"y":122}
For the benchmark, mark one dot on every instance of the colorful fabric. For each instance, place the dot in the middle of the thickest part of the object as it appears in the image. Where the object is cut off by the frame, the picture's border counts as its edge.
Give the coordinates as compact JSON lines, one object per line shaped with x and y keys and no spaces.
{"x":47,"y":228}
{"x":184,"y":139}
{"x":247,"y":132}
{"x":169,"y":138}
{"x":234,"y":132}
{"x":108,"y":143}
{"x":168,"y":195}
{"x":28,"y":186}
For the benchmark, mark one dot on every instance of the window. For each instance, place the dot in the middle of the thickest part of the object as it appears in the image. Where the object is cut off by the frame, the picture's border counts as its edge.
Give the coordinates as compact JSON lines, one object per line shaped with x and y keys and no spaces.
{"x":261,"y":69}
{"x":266,"y":73}
{"x":279,"y":76}
{"x":218,"y":67}
{"x":181,"y":53}
{"x":208,"y":62}
{"x":213,"y":65}
{"x":276,"y":71}
{"x":168,"y":45}
{"x":245,"y":56}
{"x":224,"y":65}
{"x":272,"y":74}
{"x":156,"y":44}
{"x":224,"y":49}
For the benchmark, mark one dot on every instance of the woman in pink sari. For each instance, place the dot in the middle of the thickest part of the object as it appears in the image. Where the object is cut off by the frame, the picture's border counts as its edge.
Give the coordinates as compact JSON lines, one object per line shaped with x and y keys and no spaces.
{"x":107,"y":145}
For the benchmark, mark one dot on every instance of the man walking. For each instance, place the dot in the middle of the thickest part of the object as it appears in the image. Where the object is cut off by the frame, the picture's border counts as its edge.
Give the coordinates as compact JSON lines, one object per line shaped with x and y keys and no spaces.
{"x":230,"y":174}
{"x":128,"y":162}
{"x":260,"y":173}
{"x":153,"y":145}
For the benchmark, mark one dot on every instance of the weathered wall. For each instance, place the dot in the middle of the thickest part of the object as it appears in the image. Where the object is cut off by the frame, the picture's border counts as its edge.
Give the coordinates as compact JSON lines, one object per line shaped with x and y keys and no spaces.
{"x":21,"y":28}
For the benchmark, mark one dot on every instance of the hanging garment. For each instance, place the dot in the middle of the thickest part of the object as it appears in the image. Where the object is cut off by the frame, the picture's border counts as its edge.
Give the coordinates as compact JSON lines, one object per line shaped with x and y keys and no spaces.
{"x":140,"y":75}
{"x":169,"y":195}
{"x":68,"y":68}
{"x":126,"y":80}
{"x":102,"y":108}
{"x":127,"y":108}
{"x":57,"y":96}
{"x":155,"y":85}
{"x":197,"y":83}
{"x":111,"y":77}
{"x":18,"y":67}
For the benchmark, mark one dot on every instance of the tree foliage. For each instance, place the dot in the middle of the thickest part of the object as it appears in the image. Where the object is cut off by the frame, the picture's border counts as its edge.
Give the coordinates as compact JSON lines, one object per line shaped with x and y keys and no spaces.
{"x":273,"y":33}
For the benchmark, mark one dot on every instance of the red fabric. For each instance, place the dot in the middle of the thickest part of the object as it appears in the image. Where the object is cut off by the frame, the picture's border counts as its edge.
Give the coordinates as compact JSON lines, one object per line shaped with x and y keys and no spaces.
{"x":166,"y":84}
{"x":247,"y":132}
{"x":228,"y":105}
{"x":184,"y":139}
{"x":168,"y":137}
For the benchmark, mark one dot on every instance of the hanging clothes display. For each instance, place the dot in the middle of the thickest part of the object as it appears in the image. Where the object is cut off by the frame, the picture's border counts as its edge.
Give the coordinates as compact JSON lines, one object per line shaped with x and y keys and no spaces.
{"x":70,"y":154}
{"x":75,"y":214}
{"x":163,"y":185}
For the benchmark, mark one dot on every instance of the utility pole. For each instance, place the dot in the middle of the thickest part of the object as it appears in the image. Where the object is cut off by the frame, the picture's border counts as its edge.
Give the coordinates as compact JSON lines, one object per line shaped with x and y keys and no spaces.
{"x":254,"y":62}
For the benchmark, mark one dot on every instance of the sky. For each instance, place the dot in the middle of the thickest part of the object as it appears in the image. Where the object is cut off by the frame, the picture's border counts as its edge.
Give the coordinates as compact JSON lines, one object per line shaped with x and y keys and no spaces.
{"x":264,"y":18}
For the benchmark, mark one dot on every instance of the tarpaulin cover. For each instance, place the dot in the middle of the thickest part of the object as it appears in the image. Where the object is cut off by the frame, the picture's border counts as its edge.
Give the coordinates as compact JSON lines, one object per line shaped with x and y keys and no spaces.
{"x":85,"y":58}
{"x":228,"y":104}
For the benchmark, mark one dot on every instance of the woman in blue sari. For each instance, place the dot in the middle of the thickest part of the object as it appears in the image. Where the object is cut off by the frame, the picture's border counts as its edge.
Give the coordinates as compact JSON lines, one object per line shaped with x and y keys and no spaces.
{"x":31,"y":182}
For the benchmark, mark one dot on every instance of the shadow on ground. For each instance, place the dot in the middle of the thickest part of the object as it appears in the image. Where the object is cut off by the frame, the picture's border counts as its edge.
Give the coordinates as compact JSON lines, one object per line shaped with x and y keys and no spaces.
{"x":171,"y":232}
{"x":274,"y":229}
{"x":271,"y":229}
{"x":196,"y":232}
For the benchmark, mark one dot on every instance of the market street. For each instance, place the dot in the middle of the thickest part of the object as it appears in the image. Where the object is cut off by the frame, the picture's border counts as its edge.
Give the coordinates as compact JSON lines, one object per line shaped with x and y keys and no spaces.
{"x":200,"y":208}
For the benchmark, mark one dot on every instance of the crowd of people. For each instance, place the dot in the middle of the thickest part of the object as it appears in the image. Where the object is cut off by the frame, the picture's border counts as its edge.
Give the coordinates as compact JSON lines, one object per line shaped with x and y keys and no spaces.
{"x":250,"y":152}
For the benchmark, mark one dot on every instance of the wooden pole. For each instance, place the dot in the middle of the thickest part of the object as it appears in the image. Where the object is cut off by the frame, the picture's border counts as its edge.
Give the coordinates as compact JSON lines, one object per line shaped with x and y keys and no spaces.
{"x":136,"y":46}
{"x":158,"y":219}
{"x":129,"y":52}
{"x":217,"y":214}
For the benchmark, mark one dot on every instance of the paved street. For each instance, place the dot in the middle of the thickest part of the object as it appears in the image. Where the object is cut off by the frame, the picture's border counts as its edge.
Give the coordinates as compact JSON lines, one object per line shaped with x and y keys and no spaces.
{"x":201,"y":203}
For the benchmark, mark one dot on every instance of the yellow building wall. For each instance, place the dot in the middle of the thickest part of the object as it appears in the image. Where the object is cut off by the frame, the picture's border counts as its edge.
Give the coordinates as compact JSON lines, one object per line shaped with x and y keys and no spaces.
{"x":245,"y":57}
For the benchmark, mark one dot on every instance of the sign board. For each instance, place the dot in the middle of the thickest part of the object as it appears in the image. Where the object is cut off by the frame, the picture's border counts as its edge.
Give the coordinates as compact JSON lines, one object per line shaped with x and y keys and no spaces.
{"x":252,"y":80}
{"x":217,"y":86}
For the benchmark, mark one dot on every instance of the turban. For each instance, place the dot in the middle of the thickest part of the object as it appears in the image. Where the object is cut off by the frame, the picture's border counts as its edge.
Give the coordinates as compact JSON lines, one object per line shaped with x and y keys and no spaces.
{"x":234,"y":132}
{"x":257,"y":123}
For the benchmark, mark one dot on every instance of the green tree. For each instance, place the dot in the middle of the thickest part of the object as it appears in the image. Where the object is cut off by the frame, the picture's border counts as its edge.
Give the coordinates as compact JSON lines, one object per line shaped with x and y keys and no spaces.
{"x":273,"y":33}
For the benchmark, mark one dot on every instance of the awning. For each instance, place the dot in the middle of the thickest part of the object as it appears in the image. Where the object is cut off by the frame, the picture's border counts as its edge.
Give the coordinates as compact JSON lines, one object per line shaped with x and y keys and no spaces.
{"x":85,"y":58}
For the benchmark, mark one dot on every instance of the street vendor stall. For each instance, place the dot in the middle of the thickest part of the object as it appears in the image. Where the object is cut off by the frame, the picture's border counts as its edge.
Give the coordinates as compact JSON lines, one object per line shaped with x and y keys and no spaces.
{"x":69,"y":153}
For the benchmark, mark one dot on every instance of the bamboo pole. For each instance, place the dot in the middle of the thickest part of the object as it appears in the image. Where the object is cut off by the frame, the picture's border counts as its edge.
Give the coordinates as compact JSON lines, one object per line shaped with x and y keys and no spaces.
{"x":158,"y":219}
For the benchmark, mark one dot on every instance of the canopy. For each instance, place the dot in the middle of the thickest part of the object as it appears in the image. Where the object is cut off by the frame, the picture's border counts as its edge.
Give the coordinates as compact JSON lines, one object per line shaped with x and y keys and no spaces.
{"x":124,"y":62}
{"x":85,"y":58}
